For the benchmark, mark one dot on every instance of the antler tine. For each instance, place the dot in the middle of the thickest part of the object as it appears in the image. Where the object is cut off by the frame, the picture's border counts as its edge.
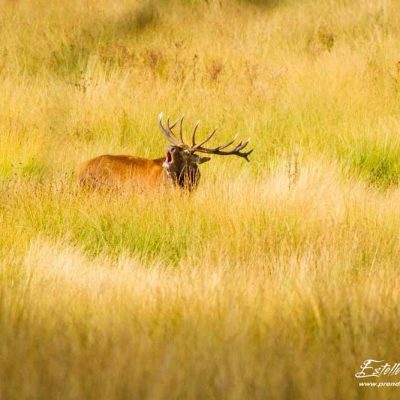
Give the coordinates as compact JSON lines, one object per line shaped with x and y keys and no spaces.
{"x":174,"y":124}
{"x":194,"y":134}
{"x":180,"y":128}
{"x":241,"y":146}
{"x":205,"y":140}
{"x":167,"y":131}
{"x":223,"y":146}
{"x":246,"y":155}
{"x":168,"y":125}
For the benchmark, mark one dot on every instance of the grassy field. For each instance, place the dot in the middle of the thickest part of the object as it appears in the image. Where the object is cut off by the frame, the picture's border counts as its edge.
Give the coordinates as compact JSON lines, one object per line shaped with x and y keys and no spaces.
{"x":277,"y":278}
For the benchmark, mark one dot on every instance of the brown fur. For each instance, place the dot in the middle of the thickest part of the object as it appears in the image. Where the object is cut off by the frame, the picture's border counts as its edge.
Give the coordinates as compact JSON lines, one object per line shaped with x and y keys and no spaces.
{"x":113,"y":172}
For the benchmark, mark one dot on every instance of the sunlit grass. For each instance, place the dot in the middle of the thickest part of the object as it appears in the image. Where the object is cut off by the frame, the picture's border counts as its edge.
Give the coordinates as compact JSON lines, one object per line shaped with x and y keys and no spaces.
{"x":269,"y":281}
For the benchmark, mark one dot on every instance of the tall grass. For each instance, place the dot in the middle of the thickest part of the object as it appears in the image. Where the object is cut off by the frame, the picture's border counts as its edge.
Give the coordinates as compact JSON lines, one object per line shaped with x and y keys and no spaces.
{"x":269,"y":281}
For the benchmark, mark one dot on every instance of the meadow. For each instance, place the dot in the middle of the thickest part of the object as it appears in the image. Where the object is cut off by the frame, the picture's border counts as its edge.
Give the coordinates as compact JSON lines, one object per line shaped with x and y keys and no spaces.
{"x":277,"y":278}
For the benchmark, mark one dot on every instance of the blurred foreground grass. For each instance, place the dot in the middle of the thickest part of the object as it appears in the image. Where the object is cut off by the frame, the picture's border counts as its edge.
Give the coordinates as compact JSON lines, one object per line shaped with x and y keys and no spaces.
{"x":259,"y":285}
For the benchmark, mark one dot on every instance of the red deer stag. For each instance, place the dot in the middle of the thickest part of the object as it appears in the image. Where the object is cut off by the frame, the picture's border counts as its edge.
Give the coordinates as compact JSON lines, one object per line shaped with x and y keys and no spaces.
{"x":179,"y":167}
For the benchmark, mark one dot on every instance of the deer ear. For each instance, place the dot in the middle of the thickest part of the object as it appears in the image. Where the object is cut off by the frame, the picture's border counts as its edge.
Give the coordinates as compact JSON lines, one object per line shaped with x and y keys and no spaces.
{"x":202,"y":160}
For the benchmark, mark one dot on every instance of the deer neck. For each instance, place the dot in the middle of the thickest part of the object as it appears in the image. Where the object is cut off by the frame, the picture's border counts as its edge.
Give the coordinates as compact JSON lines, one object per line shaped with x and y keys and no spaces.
{"x":187,"y":179}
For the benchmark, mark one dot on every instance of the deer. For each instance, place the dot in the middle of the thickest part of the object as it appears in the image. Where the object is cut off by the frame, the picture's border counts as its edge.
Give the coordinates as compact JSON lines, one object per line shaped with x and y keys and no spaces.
{"x":179,"y":168}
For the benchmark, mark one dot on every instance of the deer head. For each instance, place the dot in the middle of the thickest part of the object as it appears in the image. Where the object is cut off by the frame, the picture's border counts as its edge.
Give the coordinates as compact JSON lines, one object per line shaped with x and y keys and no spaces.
{"x":181,"y":162}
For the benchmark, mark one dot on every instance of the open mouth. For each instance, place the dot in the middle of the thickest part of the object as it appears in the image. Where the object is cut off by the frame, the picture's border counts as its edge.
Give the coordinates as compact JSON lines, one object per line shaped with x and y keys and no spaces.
{"x":168,"y":160}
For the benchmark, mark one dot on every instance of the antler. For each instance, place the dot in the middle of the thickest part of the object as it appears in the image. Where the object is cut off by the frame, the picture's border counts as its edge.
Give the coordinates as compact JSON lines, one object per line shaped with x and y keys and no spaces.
{"x":235,"y":151}
{"x":217,"y":150}
{"x":199,"y":147}
{"x":167,"y":131}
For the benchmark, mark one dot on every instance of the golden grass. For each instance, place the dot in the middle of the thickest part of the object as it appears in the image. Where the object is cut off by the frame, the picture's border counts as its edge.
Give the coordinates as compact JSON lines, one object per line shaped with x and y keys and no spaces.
{"x":264,"y":283}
